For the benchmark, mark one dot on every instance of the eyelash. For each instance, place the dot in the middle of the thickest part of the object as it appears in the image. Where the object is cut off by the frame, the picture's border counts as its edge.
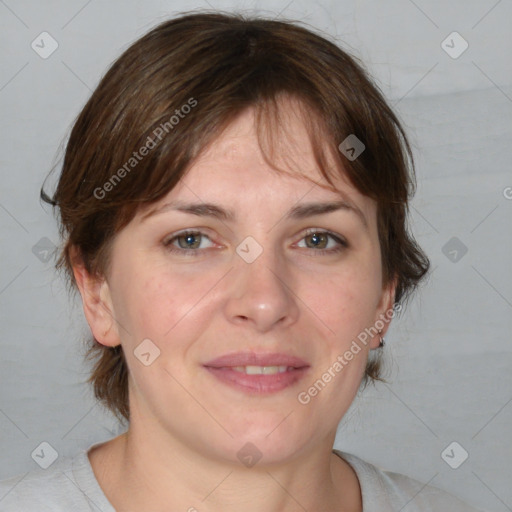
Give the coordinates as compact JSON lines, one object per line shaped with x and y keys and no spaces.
{"x":342,"y":244}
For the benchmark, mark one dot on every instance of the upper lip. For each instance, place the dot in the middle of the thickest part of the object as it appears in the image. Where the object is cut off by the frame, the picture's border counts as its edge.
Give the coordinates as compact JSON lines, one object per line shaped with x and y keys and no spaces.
{"x":252,"y":359}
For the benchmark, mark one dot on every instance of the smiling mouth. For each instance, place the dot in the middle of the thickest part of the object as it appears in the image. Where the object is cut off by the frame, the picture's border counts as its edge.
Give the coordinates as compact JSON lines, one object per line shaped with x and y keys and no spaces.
{"x":258,"y":380}
{"x":262,"y":370}
{"x":254,"y":373}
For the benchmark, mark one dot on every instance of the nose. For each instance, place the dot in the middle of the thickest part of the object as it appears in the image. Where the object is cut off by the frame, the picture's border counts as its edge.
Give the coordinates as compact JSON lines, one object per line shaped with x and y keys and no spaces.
{"x":261,"y":293}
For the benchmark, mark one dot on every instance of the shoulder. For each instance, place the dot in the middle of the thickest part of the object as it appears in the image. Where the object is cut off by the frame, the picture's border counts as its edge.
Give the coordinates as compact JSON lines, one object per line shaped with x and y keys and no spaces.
{"x":384,"y":491}
{"x":43,"y":490}
{"x":68,"y":484}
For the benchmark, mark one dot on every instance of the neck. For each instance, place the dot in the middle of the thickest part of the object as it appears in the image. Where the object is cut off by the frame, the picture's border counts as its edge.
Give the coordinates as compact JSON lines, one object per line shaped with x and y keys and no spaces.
{"x":144,"y":470}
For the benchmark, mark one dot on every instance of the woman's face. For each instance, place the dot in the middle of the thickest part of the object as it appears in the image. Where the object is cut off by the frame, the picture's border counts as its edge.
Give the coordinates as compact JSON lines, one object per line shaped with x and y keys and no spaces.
{"x":262,"y":279}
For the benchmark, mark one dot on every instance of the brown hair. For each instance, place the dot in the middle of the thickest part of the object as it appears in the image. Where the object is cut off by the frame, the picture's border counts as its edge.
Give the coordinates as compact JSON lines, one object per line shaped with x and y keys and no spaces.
{"x":173,"y":91}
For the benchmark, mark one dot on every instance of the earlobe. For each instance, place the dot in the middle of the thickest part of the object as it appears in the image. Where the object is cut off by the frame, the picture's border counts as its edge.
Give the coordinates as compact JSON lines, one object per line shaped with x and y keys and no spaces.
{"x":385,"y":311}
{"x":97,"y":304}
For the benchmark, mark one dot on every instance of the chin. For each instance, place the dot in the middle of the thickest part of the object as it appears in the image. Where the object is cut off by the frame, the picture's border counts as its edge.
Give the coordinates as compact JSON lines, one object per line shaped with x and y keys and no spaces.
{"x":272,"y":445}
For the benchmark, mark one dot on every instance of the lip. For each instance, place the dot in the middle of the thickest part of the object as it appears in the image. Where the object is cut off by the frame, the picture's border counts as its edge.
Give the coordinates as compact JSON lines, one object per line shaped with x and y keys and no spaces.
{"x":222,"y":369}
{"x":253,"y":359}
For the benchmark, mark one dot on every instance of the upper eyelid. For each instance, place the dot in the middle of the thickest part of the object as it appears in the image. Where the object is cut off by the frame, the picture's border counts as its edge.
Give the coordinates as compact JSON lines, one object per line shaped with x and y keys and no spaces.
{"x":188,"y":231}
{"x":204,"y":232}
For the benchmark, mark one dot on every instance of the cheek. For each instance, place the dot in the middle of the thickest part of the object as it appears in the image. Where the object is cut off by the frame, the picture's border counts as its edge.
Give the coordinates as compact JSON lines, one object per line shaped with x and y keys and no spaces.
{"x":344,"y":301}
{"x":158,"y":303}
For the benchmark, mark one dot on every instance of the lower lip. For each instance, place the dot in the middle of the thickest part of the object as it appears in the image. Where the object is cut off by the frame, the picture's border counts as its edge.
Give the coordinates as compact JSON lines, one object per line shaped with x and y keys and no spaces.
{"x":258,"y":384}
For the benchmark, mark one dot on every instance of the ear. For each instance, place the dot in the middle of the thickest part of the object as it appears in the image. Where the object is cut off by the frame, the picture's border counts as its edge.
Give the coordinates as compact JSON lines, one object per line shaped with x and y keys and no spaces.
{"x":384,"y":313}
{"x":97,"y":303}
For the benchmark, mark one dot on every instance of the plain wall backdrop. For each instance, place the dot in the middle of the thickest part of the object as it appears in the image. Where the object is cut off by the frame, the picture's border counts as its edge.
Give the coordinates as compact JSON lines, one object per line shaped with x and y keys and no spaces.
{"x":449,"y":355}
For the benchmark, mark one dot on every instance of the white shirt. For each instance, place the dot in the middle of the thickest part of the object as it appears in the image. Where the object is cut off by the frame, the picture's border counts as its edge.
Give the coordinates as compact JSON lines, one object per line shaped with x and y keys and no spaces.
{"x":69,"y":485}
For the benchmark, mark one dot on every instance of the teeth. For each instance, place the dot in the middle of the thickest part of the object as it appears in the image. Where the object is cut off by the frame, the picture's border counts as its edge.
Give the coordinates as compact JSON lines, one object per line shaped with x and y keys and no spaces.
{"x":260,"y":370}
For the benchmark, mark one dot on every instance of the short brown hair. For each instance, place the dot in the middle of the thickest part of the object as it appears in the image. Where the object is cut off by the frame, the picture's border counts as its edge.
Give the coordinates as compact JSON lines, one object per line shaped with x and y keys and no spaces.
{"x":225,"y":63}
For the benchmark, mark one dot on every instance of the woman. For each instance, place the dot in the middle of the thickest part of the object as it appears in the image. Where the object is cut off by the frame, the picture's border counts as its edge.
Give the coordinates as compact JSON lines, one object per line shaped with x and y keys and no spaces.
{"x":233,"y":206}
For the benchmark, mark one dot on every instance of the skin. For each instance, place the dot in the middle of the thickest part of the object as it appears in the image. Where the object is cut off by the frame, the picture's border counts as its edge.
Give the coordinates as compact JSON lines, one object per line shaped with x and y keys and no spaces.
{"x":180,"y":451}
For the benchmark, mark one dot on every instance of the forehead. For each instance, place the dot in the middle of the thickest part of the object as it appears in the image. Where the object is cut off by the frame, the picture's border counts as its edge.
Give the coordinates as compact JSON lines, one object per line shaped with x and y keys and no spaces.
{"x":233,"y":168}
{"x":284,"y":153}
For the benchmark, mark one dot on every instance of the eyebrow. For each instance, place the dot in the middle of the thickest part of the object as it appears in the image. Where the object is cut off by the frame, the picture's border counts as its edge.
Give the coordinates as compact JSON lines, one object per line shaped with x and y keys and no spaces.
{"x":301,"y":211}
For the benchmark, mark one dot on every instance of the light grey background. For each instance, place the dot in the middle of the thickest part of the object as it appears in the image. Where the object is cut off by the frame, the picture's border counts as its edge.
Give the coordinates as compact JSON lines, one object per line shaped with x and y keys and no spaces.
{"x":449,"y":356}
